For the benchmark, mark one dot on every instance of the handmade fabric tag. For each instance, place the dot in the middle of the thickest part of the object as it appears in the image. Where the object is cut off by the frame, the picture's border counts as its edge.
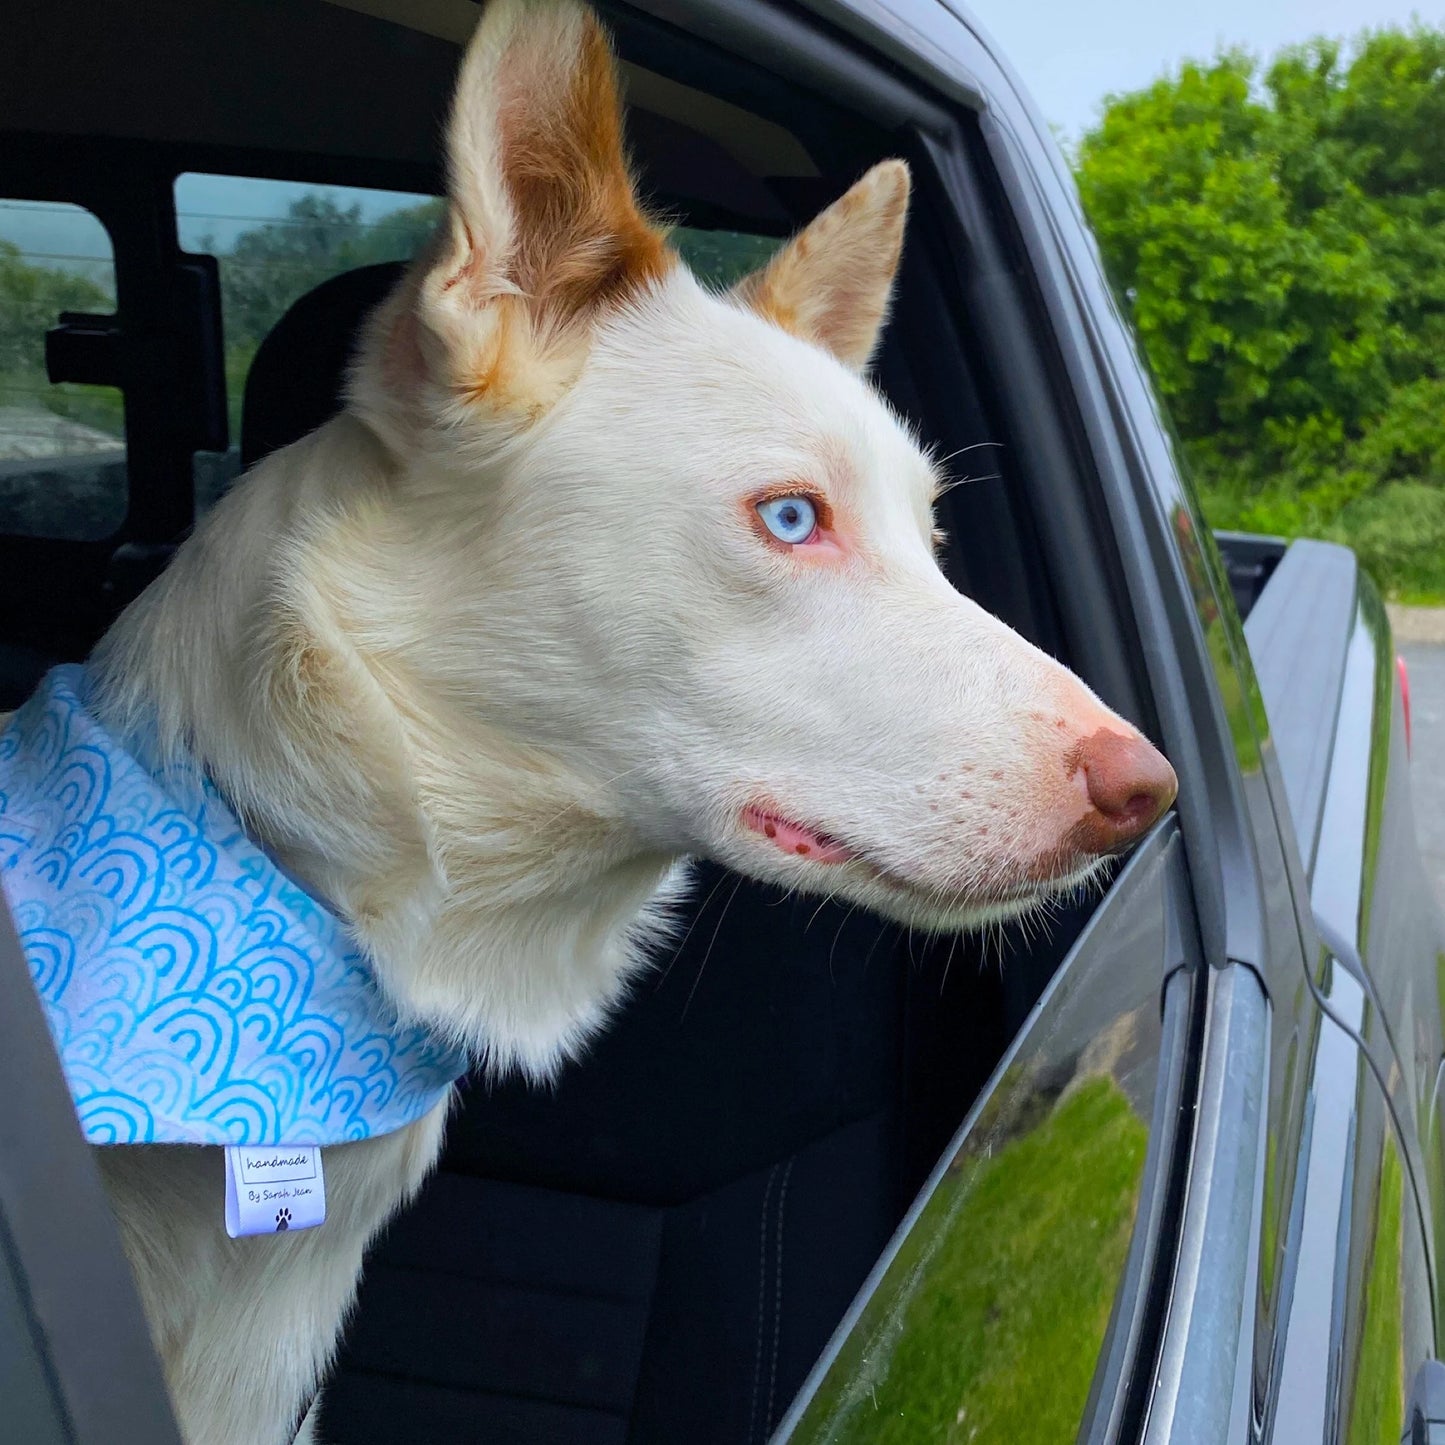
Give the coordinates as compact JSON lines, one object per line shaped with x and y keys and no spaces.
{"x":271,"y":1190}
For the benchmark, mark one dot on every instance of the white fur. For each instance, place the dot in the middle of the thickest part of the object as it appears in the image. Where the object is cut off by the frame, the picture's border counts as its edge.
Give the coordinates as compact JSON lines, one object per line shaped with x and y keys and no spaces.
{"x":484,"y":670}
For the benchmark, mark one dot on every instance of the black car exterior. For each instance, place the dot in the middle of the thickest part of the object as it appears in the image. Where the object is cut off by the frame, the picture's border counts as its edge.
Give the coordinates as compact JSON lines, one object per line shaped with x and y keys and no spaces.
{"x":1201,"y":1195}
{"x":1295,"y":1293}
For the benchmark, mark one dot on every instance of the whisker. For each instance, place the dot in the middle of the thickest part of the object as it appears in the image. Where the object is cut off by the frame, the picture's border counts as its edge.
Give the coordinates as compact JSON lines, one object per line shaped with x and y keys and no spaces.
{"x":948,"y":486}
{"x":718,"y":929}
{"x":827,"y":899}
{"x":591,"y":792}
{"x":960,"y":451}
{"x":681,"y":943}
{"x":947,"y":964}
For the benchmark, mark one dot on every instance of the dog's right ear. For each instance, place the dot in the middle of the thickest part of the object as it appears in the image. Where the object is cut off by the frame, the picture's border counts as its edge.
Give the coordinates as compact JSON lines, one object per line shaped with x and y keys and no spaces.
{"x":543,"y":230}
{"x":832,"y":282}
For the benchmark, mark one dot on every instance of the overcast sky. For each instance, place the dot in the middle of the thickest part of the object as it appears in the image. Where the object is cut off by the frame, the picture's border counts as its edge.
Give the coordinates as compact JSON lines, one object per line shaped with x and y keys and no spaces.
{"x":1071,"y":53}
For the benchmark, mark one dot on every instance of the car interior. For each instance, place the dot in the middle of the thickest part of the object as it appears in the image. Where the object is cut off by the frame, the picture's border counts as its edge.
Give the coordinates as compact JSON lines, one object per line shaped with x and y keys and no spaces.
{"x":657,"y":1247}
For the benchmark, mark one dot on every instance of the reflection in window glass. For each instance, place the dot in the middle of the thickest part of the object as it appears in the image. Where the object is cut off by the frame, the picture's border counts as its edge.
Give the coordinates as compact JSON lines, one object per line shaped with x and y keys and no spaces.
{"x":997,"y":1314}
{"x":62,"y":447}
{"x":274,"y":241}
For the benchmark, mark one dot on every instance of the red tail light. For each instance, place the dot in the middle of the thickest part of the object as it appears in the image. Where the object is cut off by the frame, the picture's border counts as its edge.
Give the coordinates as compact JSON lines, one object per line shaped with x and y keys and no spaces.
{"x":1404,"y":695}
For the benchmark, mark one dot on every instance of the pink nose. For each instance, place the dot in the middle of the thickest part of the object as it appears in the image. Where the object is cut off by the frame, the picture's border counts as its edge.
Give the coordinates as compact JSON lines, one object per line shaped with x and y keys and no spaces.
{"x":1130,"y":784}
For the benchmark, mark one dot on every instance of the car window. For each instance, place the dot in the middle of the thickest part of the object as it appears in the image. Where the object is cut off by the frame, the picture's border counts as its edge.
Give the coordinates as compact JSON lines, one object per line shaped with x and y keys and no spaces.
{"x":1007,"y":1306}
{"x":720,"y":258}
{"x":273,"y":242}
{"x":62,"y":446}
{"x":276,"y":240}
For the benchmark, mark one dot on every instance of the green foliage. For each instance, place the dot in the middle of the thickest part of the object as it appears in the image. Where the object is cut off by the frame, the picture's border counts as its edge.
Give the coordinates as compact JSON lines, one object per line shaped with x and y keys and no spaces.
{"x":31,"y":299}
{"x":721,"y":258}
{"x":1278,"y":237}
{"x":1399,"y":532}
{"x":271,"y":265}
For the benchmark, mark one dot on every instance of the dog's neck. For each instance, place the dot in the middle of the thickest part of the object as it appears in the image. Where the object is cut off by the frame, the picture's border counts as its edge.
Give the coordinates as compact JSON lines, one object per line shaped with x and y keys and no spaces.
{"x":498,"y":903}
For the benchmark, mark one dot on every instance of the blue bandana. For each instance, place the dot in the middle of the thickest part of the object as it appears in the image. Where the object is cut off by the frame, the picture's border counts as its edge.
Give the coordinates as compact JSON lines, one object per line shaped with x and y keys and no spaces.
{"x":195,"y":994}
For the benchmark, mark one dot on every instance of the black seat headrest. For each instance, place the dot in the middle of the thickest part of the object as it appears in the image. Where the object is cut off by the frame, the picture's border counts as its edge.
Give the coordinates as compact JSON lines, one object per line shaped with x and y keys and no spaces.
{"x":298,"y":372}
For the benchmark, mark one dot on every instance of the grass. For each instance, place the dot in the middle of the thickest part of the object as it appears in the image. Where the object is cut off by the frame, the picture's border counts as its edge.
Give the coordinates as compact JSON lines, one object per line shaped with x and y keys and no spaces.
{"x":100,"y":407}
{"x":1000,"y":1330}
{"x":1377,"y":1407}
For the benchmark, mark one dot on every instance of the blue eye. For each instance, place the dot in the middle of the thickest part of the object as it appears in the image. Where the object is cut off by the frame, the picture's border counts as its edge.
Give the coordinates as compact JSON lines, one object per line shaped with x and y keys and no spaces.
{"x":789,"y":519}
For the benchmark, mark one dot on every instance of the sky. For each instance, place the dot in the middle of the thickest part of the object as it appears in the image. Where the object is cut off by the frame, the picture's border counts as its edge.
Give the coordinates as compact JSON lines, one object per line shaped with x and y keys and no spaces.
{"x":1071,"y":53}
{"x":218,"y":207}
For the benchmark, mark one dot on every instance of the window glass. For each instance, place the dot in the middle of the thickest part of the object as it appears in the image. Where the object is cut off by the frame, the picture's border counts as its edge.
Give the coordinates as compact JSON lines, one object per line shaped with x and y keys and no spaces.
{"x":62,"y":447}
{"x":274,"y":241}
{"x":1006,"y":1305}
{"x":722,"y":257}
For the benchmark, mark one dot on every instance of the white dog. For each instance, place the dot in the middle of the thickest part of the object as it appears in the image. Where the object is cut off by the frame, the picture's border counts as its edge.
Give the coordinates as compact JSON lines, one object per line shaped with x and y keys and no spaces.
{"x":596,"y":571}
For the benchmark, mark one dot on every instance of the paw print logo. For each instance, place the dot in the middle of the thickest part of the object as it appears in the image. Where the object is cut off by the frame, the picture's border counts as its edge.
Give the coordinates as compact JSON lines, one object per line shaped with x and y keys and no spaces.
{"x":283,"y":1220}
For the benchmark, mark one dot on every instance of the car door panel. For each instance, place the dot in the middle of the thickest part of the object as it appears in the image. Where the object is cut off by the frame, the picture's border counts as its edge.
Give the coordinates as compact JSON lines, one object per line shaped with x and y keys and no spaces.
{"x":1009,"y":1298}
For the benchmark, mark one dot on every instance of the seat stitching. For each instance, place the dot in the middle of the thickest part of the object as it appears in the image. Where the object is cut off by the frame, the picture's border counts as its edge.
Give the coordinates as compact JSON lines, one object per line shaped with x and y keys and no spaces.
{"x":762,"y":1298}
{"x":777,"y":1297}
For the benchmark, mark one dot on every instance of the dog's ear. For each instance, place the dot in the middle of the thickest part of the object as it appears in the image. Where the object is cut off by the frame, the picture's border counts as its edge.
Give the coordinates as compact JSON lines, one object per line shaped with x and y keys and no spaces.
{"x":543,"y":229}
{"x":832,"y":282}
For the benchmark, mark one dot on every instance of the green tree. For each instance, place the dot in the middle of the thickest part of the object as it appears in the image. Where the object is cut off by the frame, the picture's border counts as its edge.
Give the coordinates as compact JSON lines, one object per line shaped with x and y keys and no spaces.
{"x":31,"y":297}
{"x":271,"y":265}
{"x":1276,"y":234}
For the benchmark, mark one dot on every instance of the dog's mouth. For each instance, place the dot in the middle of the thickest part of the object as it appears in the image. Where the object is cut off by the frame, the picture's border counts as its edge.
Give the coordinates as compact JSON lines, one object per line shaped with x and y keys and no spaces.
{"x":799,"y":839}
{"x":810,"y":844}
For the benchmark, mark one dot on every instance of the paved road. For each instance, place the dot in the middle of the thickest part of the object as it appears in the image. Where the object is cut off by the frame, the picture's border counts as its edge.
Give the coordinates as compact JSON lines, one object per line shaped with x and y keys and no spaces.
{"x":1427,"y":709}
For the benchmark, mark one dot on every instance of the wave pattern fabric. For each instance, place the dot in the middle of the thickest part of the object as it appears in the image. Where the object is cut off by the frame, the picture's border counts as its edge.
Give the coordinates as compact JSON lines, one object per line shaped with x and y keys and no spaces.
{"x":194,"y":992}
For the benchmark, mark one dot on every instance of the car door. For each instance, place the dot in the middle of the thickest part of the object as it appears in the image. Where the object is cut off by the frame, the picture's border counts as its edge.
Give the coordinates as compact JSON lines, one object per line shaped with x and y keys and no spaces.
{"x":1014,"y":1302}
{"x":960,"y":1328}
